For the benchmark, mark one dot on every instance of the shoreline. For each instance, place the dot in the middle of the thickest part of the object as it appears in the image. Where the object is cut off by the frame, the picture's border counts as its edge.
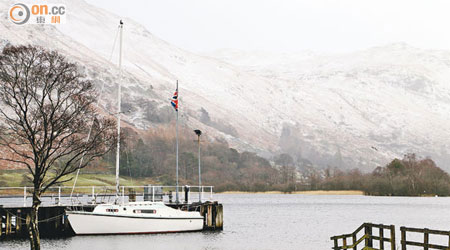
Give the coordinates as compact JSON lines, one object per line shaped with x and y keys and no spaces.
{"x":312,"y":192}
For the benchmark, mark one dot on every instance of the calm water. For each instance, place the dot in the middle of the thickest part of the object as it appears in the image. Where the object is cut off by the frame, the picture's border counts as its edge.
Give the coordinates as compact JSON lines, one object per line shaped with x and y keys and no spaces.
{"x":266,"y":221}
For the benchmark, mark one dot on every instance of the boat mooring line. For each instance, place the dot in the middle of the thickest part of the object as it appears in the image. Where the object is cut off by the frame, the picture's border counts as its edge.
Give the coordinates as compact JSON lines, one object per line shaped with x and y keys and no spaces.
{"x":24,"y":219}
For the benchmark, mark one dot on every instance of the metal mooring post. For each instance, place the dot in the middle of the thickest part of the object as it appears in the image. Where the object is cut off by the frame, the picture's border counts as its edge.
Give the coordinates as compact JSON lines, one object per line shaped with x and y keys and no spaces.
{"x":59,"y":196}
{"x":24,"y":197}
{"x":201,"y":191}
{"x":186,"y":194}
{"x":153,"y":193}
{"x":93,"y":194}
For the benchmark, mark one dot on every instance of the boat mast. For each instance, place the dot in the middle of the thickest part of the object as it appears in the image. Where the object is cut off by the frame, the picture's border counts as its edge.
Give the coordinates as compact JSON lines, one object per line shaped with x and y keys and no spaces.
{"x":177,"y":197}
{"x":119,"y":111}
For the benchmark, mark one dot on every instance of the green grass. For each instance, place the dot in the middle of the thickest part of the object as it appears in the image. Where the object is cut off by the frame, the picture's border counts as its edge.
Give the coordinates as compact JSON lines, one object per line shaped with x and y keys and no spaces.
{"x":11,"y":178}
{"x":15,"y":178}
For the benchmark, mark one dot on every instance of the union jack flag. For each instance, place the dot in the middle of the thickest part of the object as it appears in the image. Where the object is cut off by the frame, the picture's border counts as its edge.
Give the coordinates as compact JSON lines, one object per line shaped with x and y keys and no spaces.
{"x":174,"y":101}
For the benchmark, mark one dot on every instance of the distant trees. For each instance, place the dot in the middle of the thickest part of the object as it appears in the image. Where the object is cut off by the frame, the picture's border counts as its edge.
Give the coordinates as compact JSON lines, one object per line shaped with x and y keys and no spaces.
{"x":288,"y":171}
{"x":152,"y":154}
{"x":409,"y":176}
{"x":336,"y":179}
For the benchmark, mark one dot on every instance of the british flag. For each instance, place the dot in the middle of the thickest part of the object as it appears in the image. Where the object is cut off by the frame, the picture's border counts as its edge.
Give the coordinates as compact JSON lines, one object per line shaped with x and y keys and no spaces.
{"x":174,"y":101}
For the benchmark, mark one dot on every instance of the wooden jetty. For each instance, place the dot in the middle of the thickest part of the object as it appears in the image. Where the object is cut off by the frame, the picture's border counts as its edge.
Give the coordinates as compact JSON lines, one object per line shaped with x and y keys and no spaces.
{"x":53,"y":220}
{"x":212,"y":213}
{"x":369,"y":238}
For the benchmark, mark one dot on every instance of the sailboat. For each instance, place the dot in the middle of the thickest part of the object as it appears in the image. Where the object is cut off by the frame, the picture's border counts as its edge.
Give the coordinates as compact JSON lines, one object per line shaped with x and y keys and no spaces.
{"x":132,"y":217}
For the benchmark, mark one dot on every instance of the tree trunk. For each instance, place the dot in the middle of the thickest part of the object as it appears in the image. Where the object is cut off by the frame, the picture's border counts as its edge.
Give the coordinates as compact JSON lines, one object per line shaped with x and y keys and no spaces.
{"x":33,"y":230}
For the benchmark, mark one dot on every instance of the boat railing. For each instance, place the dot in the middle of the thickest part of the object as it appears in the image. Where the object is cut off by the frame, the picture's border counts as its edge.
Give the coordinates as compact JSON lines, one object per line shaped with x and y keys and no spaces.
{"x":85,"y":195}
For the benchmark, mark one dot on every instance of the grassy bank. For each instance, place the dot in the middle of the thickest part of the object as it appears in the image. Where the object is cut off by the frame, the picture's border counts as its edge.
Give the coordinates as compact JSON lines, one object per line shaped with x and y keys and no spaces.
{"x":19,"y":179}
{"x":312,"y":192}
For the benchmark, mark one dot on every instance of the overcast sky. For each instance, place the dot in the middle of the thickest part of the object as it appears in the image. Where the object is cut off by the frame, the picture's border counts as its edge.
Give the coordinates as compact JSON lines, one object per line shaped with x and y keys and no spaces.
{"x":290,"y":25}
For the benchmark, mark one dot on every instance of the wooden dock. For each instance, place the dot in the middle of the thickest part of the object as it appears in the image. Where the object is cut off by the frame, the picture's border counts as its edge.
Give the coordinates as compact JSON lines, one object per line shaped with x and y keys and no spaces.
{"x":212,"y":213}
{"x":53,"y":221}
{"x":15,"y":208}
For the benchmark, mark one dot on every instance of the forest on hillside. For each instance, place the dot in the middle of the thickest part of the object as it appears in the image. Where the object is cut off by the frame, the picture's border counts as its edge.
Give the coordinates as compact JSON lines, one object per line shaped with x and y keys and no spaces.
{"x":152,"y":154}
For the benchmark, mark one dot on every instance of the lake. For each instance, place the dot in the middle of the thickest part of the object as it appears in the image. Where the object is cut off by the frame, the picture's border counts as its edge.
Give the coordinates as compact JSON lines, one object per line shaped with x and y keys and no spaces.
{"x":277,"y":221}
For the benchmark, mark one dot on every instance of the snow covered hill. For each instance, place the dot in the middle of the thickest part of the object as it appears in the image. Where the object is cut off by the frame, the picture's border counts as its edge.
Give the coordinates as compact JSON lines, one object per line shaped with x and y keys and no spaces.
{"x":381,"y":102}
{"x":351,"y":110}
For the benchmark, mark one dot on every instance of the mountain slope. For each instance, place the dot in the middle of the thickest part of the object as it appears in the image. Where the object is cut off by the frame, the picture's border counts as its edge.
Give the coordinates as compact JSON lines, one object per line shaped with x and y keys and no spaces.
{"x":151,"y":68}
{"x":350,"y":110}
{"x":385,"y":101}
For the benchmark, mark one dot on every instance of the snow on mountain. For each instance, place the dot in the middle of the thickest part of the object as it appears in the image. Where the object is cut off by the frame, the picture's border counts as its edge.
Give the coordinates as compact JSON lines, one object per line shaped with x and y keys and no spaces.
{"x":378,"y":103}
{"x":349,"y":110}
{"x":151,"y":68}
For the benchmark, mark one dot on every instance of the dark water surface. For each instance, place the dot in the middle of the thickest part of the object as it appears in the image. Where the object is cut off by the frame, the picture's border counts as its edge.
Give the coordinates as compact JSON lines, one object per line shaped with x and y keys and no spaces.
{"x":277,"y":221}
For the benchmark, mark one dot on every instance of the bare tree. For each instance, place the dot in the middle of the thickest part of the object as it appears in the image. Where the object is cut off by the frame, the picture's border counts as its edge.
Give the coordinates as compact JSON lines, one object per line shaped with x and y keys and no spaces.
{"x":46,"y":114}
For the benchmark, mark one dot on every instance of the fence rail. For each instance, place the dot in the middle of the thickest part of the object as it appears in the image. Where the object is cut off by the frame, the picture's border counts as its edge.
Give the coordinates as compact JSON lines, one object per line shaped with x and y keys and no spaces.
{"x":368,"y":237}
{"x":62,"y":195}
{"x":426,"y":238}
{"x":340,"y":241}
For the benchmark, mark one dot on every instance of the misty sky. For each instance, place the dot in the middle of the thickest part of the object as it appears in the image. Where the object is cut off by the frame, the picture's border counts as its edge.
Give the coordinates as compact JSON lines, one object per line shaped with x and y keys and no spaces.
{"x":290,"y":25}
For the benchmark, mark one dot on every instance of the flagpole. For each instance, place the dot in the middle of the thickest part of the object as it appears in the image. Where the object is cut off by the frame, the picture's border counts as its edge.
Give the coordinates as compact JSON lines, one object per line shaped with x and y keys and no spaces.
{"x":118,"y":114}
{"x":177,"y":197}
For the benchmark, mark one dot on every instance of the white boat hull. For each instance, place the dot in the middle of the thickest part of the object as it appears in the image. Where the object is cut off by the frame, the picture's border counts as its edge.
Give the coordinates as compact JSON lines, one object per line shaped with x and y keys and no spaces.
{"x":125,"y":220}
{"x":85,"y":224}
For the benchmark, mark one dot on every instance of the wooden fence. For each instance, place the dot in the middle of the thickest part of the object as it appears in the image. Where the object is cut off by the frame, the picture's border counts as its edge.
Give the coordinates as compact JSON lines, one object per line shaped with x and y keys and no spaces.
{"x":426,"y":238}
{"x":366,"y":241}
